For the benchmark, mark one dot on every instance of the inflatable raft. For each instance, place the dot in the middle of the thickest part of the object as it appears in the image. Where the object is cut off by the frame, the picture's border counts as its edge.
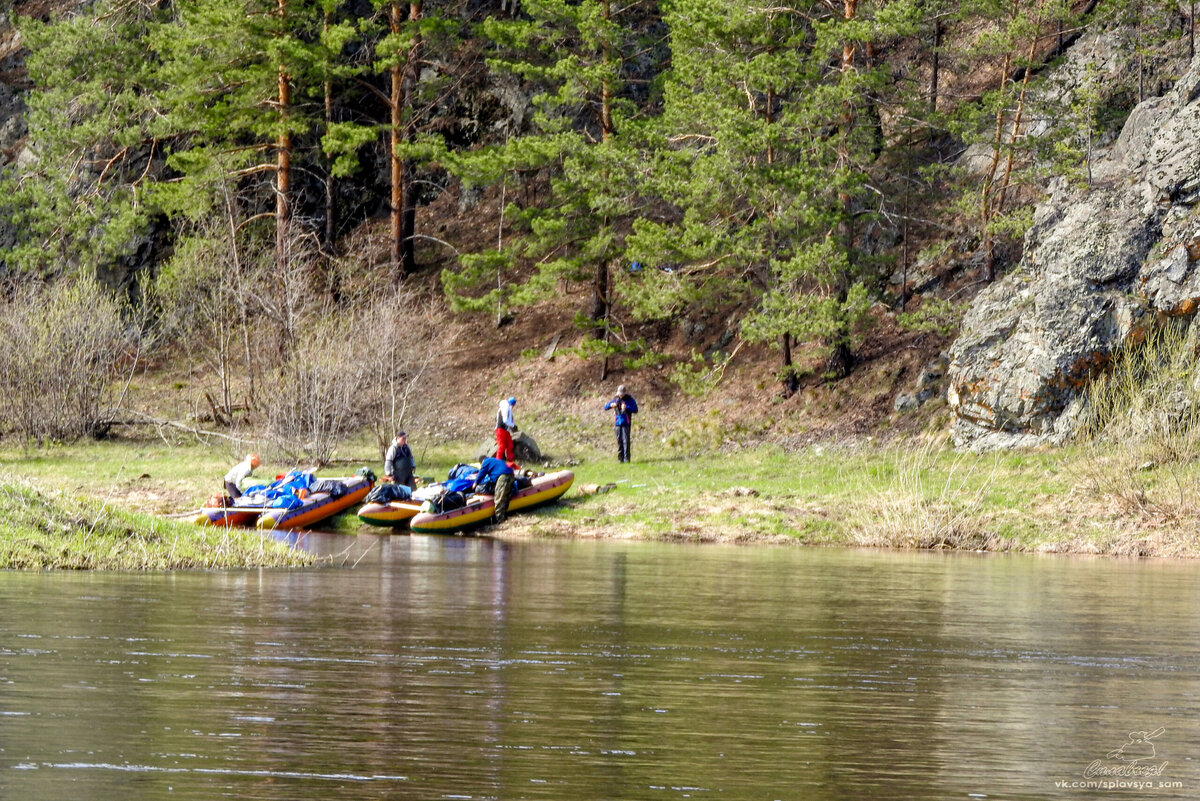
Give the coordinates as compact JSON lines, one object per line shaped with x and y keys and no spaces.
{"x":318,"y":505}
{"x":221,"y":510}
{"x":393,"y":513}
{"x":479,"y":508}
{"x":295,"y":500}
{"x":231,"y":515}
{"x":398,"y":513}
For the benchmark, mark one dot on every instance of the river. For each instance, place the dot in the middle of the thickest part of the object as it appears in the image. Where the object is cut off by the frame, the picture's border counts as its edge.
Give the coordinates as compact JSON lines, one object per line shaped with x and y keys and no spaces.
{"x":470,"y":668}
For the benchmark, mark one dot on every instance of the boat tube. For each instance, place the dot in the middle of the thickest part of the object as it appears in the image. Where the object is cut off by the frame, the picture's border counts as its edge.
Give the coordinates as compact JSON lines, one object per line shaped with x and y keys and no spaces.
{"x":479,"y":508}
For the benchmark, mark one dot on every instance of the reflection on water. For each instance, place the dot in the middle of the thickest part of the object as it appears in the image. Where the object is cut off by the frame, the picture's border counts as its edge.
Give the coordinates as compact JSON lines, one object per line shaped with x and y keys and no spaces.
{"x":468,"y":668}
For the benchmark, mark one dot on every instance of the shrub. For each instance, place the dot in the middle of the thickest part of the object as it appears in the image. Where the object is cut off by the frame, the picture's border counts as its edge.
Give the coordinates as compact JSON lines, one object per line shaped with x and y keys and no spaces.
{"x":61,"y":348}
{"x":316,"y":405}
{"x":410,"y":336}
{"x":362,"y":367}
{"x":697,"y":434}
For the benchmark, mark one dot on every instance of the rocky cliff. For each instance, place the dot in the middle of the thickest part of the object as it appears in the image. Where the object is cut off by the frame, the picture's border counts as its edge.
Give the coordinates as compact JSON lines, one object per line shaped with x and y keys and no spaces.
{"x":1102,"y":263}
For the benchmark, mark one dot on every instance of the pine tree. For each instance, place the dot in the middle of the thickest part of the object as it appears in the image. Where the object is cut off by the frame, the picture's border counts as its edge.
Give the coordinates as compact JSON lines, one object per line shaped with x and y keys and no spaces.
{"x":230,"y":70}
{"x":771,"y":135}
{"x":1017,"y":39}
{"x":412,"y":46}
{"x":577,"y":171}
{"x":82,"y":202}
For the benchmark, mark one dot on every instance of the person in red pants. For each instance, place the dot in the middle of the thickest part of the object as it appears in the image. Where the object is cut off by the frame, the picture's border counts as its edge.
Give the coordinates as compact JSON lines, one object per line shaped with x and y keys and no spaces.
{"x":506,"y":424}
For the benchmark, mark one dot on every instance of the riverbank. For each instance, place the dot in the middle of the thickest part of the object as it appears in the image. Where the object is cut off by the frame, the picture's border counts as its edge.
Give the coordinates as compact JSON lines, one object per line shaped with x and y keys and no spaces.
{"x":913,"y":495}
{"x":916,"y":494}
{"x":46,"y":529}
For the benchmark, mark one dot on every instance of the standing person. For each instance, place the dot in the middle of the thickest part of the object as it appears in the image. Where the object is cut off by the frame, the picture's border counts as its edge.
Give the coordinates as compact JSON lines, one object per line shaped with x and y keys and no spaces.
{"x":399,"y":464}
{"x":496,"y":478}
{"x":239,"y":473}
{"x":624,"y":408}
{"x":505,"y":425}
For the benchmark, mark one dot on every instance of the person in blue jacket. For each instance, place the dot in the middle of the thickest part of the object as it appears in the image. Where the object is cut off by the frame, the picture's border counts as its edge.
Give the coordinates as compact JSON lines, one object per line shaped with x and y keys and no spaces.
{"x":624,"y":408}
{"x":496,"y":478}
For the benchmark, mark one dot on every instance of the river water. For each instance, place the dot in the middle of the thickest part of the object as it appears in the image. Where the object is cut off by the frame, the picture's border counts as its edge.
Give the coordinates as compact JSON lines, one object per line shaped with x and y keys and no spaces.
{"x":467,"y":668}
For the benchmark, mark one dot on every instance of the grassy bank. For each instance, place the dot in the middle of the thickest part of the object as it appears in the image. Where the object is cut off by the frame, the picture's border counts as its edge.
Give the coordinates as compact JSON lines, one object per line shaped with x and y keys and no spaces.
{"x":49,"y":529}
{"x":913,"y":495}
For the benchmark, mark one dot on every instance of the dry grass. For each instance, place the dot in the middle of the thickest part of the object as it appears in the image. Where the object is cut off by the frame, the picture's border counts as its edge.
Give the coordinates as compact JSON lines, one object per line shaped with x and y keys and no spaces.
{"x":1137,"y":467}
{"x":930,"y":507}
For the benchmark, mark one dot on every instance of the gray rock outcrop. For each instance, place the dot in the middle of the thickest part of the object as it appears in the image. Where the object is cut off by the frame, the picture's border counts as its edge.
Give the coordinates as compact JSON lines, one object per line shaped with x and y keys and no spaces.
{"x":1102,"y":265}
{"x":928,"y":386}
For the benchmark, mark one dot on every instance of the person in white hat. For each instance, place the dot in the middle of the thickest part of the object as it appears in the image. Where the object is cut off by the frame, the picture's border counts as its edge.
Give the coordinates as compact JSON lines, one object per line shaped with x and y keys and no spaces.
{"x":506,"y":424}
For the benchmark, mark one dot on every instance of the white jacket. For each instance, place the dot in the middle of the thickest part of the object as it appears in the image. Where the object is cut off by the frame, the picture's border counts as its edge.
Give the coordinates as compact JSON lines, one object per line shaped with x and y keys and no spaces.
{"x":239,"y":473}
{"x":504,"y":416}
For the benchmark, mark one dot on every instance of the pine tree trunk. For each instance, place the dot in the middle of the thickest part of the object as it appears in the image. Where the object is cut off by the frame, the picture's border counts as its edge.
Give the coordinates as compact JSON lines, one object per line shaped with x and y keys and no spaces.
{"x":845,"y":233}
{"x":935,"y":67}
{"x":606,"y":99}
{"x":841,"y":359}
{"x":601,"y":300}
{"x":1141,"y":54}
{"x":283,"y":165}
{"x":396,"y":228}
{"x":599,"y":311}
{"x":1018,"y":118}
{"x":986,"y":199}
{"x":408,"y":193}
{"x":996,"y":191}
{"x":330,"y":224}
{"x":904,"y":296}
{"x":788,"y":377}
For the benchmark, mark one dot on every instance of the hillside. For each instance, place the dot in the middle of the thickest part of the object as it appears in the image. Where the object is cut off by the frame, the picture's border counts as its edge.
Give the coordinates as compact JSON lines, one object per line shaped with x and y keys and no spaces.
{"x":786,"y":265}
{"x":531,"y":355}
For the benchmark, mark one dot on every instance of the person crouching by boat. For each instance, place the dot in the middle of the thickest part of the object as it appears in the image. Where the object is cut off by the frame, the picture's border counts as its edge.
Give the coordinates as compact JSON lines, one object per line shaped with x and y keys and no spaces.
{"x":506,"y":424}
{"x":624,"y":408}
{"x":495,"y":478}
{"x":399,"y":465}
{"x":239,"y":473}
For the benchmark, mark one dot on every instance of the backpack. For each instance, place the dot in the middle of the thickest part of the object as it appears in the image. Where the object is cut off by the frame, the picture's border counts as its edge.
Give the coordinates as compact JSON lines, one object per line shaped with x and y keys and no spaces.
{"x":446,"y":502}
{"x":386,"y":493}
{"x":333,"y":487}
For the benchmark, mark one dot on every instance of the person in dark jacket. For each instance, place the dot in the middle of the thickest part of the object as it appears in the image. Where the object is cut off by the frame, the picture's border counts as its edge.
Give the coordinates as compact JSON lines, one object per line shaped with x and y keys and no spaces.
{"x":399,"y":464}
{"x":624,"y":407}
{"x":495,"y":478}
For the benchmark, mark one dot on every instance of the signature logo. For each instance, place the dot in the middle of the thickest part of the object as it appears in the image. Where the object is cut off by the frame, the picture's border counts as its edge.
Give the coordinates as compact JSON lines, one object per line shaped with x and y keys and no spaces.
{"x":1136,"y":758}
{"x":1138,"y":748}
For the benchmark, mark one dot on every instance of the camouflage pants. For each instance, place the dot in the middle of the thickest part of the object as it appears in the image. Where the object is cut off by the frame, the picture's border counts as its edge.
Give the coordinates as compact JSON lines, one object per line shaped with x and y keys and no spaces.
{"x":501,"y":496}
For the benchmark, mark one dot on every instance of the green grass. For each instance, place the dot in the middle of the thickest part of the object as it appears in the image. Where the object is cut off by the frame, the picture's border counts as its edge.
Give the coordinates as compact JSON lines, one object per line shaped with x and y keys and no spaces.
{"x":910,"y":495}
{"x":54,"y":530}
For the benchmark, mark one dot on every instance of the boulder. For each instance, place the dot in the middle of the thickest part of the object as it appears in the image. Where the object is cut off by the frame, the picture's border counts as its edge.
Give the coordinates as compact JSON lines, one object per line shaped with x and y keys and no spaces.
{"x":1101,"y":265}
{"x":524,"y":447}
